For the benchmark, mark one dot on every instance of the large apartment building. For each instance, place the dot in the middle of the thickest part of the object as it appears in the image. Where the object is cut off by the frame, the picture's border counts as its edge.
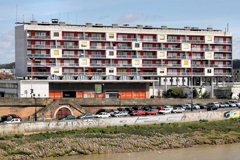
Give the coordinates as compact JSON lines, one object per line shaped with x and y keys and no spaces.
{"x":175,"y":56}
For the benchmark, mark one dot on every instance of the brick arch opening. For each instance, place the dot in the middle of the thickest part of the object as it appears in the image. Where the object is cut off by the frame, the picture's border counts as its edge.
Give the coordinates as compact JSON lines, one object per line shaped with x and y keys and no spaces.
{"x":62,"y":112}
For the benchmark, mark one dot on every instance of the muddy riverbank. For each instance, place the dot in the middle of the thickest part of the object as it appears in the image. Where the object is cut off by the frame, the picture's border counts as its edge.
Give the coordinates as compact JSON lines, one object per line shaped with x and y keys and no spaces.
{"x":120,"y":139}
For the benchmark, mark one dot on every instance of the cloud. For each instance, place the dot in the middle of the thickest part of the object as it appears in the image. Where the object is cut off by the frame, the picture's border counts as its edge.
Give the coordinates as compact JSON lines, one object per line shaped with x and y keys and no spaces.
{"x":127,"y":18}
{"x":7,"y":47}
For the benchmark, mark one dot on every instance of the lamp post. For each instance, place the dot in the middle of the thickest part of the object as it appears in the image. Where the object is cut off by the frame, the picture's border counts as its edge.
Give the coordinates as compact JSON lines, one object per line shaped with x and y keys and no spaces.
{"x":191,"y":85}
{"x":35,"y":102}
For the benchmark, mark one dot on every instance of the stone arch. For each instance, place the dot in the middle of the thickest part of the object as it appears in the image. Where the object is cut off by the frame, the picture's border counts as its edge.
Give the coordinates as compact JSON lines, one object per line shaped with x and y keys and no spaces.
{"x":62,"y":107}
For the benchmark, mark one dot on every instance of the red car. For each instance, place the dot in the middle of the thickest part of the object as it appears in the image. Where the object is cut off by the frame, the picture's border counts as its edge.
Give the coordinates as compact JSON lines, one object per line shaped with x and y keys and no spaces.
{"x":160,"y":107}
{"x":137,"y":113}
{"x":152,"y":112}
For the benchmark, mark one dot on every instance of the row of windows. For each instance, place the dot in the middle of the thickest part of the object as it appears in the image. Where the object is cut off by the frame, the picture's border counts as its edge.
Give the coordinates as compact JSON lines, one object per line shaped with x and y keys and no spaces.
{"x":9,"y":85}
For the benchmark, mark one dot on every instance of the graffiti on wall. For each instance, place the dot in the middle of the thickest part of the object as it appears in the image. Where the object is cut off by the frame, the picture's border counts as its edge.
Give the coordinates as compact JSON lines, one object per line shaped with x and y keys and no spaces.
{"x":232,"y":114}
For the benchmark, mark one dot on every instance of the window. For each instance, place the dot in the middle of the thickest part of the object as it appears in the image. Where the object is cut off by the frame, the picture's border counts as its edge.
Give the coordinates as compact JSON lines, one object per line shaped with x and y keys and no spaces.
{"x":111,"y":35}
{"x":209,"y":38}
{"x":162,"y":37}
{"x":84,"y":44}
{"x":185,"y":63}
{"x":148,"y":45}
{"x":56,"y":34}
{"x":56,"y":70}
{"x":172,"y":37}
{"x":137,"y":62}
{"x":111,"y":71}
{"x":186,"y":46}
{"x":137,"y":45}
{"x":161,"y":54}
{"x":209,"y":55}
{"x":29,"y":34}
{"x":209,"y":71}
{"x":56,"y":52}
{"x":161,"y":70}
{"x":84,"y":62}
{"x":147,"y":62}
{"x":111,"y":53}
{"x":196,"y":38}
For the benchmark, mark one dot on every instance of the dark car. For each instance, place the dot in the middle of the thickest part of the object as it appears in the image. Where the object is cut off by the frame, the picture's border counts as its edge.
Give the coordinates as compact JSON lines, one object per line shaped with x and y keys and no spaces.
{"x":9,"y":117}
{"x":68,"y":117}
{"x":211,"y":106}
{"x":202,"y":106}
{"x":130,"y":109}
{"x":86,"y":116}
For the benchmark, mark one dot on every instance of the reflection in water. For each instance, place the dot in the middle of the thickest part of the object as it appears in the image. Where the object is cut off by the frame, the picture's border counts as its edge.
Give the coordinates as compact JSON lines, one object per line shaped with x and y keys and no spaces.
{"x":218,"y":152}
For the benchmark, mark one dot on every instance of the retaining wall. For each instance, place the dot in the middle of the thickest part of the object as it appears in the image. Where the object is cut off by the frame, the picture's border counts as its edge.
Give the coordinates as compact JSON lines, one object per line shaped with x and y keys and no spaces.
{"x":34,"y":127}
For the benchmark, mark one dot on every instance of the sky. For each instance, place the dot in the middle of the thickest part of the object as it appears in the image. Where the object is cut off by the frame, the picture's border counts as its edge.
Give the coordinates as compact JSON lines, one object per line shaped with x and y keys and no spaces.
{"x":171,"y":13}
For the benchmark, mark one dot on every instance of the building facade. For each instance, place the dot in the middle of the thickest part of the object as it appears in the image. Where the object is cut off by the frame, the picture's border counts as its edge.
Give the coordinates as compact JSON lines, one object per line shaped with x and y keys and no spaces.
{"x":172,"y":56}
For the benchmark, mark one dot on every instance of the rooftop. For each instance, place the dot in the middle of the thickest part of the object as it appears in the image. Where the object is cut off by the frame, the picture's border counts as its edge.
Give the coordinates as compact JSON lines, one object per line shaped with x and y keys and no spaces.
{"x":55,"y":22}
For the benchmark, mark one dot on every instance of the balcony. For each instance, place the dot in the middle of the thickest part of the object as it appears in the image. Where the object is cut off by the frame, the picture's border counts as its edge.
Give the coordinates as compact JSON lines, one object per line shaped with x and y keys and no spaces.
{"x":38,"y":73}
{"x":222,"y":42}
{"x":40,"y":46}
{"x":38,"y":37}
{"x":85,"y":73}
{"x":38,"y":55}
{"x":69,"y":47}
{"x":110,"y":65}
{"x":223,"y":58}
{"x":186,"y":41}
{"x":136,"y":73}
{"x":222,"y":74}
{"x":220,"y":66}
{"x":52,"y":65}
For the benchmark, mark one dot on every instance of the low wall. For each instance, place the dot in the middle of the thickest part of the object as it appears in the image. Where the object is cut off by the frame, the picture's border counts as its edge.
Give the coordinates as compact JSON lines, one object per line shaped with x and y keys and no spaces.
{"x":34,"y":127}
{"x":24,"y":102}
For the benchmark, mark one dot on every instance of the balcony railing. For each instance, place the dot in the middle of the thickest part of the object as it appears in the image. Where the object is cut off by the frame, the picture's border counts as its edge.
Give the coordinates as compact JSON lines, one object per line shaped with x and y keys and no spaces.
{"x":38,"y":73}
{"x":222,"y":57}
{"x":52,"y":65}
{"x":38,"y":37}
{"x":38,"y":55}
{"x":222,"y":42}
{"x":222,"y":74}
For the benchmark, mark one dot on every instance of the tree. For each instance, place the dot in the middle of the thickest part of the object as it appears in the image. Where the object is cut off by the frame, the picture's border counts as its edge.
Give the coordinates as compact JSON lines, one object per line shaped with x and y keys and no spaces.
{"x":174,"y":93}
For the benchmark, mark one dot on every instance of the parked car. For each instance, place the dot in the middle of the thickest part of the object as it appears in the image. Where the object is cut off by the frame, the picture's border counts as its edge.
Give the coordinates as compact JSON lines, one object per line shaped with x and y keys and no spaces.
{"x":14,"y":120}
{"x":9,"y":117}
{"x":226,"y":104}
{"x":216,"y":104}
{"x":195,"y":106}
{"x":168,"y":107}
{"x":211,"y":106}
{"x":160,"y":107}
{"x":103,"y":115}
{"x":202,"y":106}
{"x":178,"y":110}
{"x":231,"y":104}
{"x":68,"y":117}
{"x":138,"y":113}
{"x":222,"y":105}
{"x":121,"y":113}
{"x":165,"y":111}
{"x":235,"y":102}
{"x":86,"y":116}
{"x":152,"y":112}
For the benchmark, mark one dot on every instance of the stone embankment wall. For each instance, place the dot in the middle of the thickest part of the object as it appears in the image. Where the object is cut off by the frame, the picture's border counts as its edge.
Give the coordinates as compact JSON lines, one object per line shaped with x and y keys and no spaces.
{"x":24,"y":102}
{"x":35,"y":127}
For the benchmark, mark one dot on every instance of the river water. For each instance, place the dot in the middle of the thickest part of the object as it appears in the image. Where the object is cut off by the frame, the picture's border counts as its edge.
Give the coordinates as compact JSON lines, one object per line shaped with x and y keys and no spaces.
{"x":203,"y":152}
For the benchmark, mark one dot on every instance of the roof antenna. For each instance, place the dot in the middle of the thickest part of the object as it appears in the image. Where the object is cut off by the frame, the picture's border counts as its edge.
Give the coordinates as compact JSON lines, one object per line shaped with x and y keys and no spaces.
{"x":33,"y":17}
{"x":227,"y":27}
{"x":23,"y":18}
{"x":16,"y":12}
